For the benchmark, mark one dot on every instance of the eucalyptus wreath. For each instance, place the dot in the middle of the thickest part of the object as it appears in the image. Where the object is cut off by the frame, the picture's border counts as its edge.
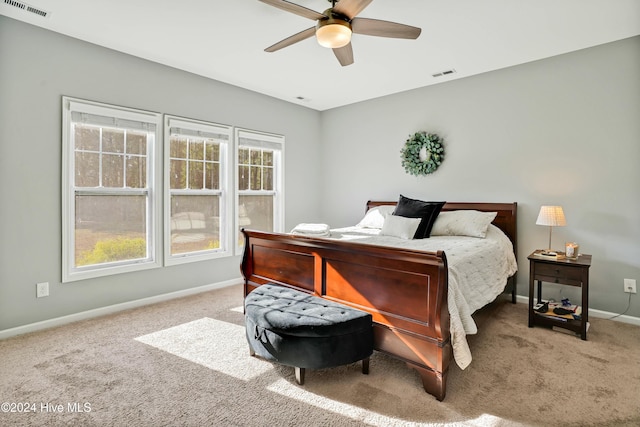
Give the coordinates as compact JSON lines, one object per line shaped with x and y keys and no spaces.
{"x":422,"y":153}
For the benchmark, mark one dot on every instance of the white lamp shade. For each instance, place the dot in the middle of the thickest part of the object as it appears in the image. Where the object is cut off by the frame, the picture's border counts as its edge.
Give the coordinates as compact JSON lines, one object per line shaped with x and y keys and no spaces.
{"x":552,"y":216}
{"x":333,"y":35}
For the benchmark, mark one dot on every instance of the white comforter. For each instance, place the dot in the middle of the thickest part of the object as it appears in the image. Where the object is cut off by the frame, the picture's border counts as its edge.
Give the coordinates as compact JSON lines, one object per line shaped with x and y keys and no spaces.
{"x":478,"y":272}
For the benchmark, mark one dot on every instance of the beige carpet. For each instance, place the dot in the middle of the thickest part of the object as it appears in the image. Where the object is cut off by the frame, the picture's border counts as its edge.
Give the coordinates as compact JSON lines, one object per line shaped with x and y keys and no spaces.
{"x":185,"y":363}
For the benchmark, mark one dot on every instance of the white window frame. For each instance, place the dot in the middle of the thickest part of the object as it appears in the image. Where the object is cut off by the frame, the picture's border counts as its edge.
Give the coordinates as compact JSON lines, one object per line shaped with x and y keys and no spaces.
{"x":190,"y":127}
{"x":256,"y":139}
{"x":70,"y":272}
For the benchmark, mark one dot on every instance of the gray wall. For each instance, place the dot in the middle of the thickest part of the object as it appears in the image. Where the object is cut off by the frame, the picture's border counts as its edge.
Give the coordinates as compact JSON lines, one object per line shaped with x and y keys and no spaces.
{"x":564,"y":130}
{"x":559,"y":131}
{"x":37,"y":68}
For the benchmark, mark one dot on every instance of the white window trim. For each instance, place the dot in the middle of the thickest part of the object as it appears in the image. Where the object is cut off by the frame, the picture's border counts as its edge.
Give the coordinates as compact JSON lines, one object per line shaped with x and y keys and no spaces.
{"x":277,"y":141}
{"x":69,"y":272}
{"x":226,"y":208}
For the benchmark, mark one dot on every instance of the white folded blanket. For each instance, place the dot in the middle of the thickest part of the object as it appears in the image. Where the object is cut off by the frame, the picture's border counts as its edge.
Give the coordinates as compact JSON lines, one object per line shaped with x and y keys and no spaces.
{"x":316,"y":230}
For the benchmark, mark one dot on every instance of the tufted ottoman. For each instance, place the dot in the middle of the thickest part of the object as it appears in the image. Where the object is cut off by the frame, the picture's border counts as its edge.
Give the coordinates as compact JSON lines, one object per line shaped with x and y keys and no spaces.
{"x":304,"y":331}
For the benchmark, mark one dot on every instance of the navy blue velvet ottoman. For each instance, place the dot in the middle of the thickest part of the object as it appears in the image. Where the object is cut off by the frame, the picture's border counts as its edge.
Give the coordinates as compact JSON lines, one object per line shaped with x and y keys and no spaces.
{"x":297,"y":329}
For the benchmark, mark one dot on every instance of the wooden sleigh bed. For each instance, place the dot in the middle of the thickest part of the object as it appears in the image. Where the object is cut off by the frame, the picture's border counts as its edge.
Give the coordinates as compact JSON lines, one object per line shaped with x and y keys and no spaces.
{"x":404,"y":290}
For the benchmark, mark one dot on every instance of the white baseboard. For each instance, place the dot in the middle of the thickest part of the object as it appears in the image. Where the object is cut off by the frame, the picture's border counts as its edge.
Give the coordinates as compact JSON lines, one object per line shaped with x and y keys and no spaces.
{"x":597,"y":313}
{"x":45,"y":324}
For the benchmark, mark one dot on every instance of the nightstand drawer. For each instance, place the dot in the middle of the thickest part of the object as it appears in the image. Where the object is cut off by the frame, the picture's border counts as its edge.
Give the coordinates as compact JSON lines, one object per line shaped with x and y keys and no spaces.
{"x":558,"y":274}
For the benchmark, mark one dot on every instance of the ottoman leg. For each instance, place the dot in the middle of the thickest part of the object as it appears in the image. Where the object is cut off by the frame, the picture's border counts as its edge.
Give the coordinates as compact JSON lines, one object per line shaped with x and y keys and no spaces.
{"x":300,"y":375}
{"x":365,"y":366}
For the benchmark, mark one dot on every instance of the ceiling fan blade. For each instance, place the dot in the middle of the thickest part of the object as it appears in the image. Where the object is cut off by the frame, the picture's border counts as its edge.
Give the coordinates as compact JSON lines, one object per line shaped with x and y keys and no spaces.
{"x":376,"y":27}
{"x":350,"y":8}
{"x":344,"y":54}
{"x":302,"y":35}
{"x":294,"y":8}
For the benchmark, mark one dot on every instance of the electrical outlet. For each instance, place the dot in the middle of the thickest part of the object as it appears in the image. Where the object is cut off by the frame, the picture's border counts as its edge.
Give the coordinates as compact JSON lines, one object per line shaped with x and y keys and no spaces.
{"x":630,"y":286}
{"x":42,"y":289}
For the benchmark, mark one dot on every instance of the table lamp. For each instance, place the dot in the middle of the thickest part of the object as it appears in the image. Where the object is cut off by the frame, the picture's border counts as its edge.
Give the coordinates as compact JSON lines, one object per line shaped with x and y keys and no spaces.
{"x":552,"y":216}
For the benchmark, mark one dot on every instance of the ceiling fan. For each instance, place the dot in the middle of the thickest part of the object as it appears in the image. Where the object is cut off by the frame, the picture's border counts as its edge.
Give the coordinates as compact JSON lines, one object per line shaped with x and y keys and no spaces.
{"x":335,"y":25}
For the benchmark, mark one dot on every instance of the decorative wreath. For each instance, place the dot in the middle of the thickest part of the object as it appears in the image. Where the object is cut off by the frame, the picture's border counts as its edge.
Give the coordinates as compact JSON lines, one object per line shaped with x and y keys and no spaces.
{"x":422,"y":153}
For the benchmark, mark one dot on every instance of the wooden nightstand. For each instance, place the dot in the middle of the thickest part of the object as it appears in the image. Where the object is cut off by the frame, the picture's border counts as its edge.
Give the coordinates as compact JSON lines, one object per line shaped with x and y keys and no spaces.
{"x":565,"y":272}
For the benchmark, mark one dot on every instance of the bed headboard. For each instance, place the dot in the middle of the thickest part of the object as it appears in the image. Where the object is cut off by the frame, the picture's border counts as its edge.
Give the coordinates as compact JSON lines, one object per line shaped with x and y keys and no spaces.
{"x":506,"y":219}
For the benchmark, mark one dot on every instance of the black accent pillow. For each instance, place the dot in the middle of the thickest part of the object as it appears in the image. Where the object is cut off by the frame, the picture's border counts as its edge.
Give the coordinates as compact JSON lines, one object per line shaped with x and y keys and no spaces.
{"x":412,"y":208}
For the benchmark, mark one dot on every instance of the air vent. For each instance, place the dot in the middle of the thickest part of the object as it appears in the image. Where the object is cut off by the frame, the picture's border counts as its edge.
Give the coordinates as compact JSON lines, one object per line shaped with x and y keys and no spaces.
{"x":27,"y":8}
{"x":444,"y":73}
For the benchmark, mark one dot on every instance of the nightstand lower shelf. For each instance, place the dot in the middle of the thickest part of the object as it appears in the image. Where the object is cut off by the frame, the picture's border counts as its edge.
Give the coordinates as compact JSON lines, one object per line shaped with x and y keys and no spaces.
{"x":569,"y":324}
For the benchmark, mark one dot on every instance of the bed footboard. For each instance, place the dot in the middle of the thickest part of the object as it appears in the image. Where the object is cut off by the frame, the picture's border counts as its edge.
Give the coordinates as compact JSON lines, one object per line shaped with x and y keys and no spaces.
{"x":405,"y":291}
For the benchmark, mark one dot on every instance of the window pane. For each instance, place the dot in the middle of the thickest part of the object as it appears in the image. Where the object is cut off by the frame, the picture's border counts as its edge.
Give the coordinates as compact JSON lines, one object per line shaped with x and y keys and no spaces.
{"x":243,"y":177}
{"x":212,"y":174}
{"x":136,"y":143}
{"x":87,"y":168}
{"x":195,"y":223}
{"x":256,"y":212}
{"x":196,"y":175}
{"x":112,"y":171}
{"x":113,"y":140}
{"x":267,"y":158}
{"x":178,"y":148}
{"x":178,"y":174}
{"x":136,"y":172}
{"x":109,"y":229}
{"x":267,"y":178}
{"x":256,"y":157}
{"x":256,"y":178}
{"x":212,"y":152}
{"x":243,"y":156}
{"x":196,"y":150}
{"x":87,"y":138}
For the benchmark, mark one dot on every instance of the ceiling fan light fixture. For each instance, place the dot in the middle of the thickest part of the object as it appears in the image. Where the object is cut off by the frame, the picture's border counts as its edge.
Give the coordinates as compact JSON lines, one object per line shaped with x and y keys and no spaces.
{"x":335,"y":26}
{"x":333,"y":33}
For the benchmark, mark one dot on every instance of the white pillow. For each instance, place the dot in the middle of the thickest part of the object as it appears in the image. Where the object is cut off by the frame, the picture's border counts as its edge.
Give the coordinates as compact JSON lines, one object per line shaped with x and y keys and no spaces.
{"x":463,"y":223}
{"x":375,"y":216}
{"x":400,"y":226}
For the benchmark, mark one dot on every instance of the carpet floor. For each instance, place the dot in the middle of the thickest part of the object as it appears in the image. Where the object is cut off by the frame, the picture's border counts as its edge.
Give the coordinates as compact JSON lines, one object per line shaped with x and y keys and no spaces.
{"x":186,"y":362}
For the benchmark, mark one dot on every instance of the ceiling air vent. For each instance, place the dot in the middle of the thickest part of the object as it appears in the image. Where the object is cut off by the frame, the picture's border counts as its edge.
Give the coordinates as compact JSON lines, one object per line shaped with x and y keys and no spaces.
{"x":444,"y":73}
{"x":27,"y":8}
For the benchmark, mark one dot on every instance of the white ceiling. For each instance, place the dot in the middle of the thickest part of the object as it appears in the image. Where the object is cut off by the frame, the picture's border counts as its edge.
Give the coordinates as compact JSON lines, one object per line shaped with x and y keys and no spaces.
{"x":225,"y":40}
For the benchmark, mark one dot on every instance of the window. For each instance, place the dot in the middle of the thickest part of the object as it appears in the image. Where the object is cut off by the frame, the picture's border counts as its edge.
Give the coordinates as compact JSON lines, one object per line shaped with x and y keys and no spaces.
{"x":109,"y":184}
{"x":112,"y":201}
{"x":197,"y":212}
{"x":260,"y":198}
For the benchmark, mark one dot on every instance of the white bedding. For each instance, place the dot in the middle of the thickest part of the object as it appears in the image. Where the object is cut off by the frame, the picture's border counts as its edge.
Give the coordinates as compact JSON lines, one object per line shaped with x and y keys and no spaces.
{"x":478,"y":272}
